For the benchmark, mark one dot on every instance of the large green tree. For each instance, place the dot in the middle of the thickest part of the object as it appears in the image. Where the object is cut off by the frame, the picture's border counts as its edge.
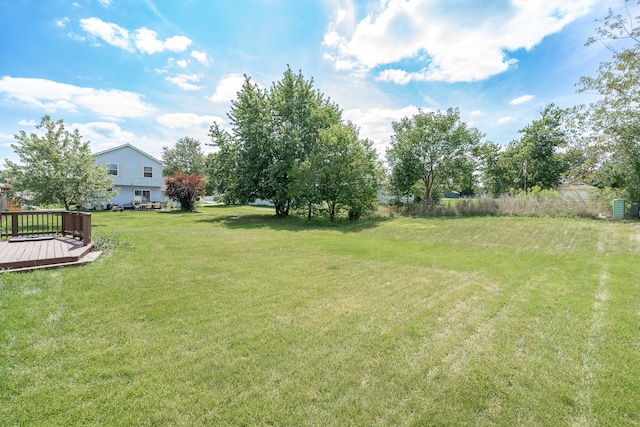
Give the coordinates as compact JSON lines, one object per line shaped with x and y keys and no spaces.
{"x":186,"y":156}
{"x":493,"y":173}
{"x":344,"y":172}
{"x":222,"y":166}
{"x":429,"y":151}
{"x":539,"y":149}
{"x":613,"y":122}
{"x":275,"y":131}
{"x":57,"y":167}
{"x":249,"y":117}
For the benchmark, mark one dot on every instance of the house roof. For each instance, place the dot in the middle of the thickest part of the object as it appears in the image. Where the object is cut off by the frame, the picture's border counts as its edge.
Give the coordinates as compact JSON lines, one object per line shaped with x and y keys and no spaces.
{"x":109,"y":150}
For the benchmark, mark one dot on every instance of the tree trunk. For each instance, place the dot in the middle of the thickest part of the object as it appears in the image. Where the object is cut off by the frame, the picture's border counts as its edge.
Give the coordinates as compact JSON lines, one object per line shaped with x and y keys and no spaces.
{"x":428,"y":184}
{"x":332,"y":211}
{"x":282,"y":209}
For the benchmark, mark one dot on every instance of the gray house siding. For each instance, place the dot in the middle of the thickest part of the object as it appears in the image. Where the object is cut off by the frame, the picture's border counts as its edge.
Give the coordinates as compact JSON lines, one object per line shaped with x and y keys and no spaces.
{"x":137,"y":175}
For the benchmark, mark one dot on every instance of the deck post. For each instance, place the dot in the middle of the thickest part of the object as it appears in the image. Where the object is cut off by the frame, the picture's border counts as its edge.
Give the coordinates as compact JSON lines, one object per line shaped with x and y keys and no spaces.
{"x":86,"y":228}
{"x":14,"y":225}
{"x":65,"y":225}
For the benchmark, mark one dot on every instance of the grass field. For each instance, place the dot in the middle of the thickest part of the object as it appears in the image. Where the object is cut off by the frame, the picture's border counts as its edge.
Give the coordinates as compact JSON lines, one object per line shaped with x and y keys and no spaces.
{"x":230,"y":316}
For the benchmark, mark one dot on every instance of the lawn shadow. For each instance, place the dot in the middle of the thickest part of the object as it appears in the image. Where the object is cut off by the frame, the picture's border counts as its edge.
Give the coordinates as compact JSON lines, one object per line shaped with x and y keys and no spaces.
{"x":178,"y":212}
{"x":292,"y":222}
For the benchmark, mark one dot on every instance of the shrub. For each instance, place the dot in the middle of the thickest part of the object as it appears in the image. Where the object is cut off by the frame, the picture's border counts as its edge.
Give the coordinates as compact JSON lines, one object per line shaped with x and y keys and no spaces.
{"x":185,"y":189}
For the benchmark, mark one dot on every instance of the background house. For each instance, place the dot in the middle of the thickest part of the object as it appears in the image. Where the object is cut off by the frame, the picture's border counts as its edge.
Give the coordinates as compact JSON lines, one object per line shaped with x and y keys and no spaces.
{"x":137,"y":174}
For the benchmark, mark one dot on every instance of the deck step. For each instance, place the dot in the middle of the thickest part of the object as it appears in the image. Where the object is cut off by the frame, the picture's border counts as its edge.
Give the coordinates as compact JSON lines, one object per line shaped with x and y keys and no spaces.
{"x":90,"y":257}
{"x":37,"y":252}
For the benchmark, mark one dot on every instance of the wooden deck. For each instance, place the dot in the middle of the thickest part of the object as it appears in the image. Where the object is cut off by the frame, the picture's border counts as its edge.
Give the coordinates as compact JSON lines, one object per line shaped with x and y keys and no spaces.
{"x":55,"y":252}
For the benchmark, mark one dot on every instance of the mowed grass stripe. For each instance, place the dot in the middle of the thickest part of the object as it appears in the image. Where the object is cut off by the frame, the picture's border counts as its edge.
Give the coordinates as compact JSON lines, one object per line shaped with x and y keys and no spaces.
{"x":232,"y":317}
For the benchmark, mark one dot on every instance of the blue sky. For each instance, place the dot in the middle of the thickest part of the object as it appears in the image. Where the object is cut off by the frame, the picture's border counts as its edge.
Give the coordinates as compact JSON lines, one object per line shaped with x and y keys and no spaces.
{"x":149,"y":72}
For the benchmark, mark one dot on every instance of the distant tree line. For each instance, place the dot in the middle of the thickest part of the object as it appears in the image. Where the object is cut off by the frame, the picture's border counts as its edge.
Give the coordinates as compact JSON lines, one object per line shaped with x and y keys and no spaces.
{"x":289,"y":145}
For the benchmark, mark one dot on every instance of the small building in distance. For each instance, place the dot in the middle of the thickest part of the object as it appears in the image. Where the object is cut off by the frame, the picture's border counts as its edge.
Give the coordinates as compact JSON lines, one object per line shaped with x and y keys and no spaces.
{"x":137,"y":175}
{"x":7,"y":202}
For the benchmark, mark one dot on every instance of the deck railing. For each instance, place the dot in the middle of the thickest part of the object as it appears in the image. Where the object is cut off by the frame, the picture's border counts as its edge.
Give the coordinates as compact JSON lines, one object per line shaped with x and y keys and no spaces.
{"x":39,"y":223}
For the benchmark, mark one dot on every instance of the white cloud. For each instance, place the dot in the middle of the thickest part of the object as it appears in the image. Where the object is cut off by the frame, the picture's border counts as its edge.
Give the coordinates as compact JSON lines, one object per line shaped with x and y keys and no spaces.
{"x":144,"y":39}
{"x":430,"y":101}
{"x":5,"y":141}
{"x":147,"y":41}
{"x":449,"y":43}
{"x":103,"y":135}
{"x":375,"y":123}
{"x":187,"y":121}
{"x":53,"y":96}
{"x":504,"y":120}
{"x":521,"y":99}
{"x":228,"y":88}
{"x":114,"y":103}
{"x":100,"y":135}
{"x":182,"y":63}
{"x":24,"y":122}
{"x":333,"y":39}
{"x":201,"y":57}
{"x":113,"y":34}
{"x":397,"y":76}
{"x":476,"y":113}
{"x":105,"y":3}
{"x":182,"y":81}
{"x":194,"y":125}
{"x":345,"y":21}
{"x":61,"y":23}
{"x":177,"y":43}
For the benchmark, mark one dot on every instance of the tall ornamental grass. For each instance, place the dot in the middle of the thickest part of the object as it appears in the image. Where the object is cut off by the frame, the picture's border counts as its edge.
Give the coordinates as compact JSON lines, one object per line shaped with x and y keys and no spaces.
{"x":534,"y":203}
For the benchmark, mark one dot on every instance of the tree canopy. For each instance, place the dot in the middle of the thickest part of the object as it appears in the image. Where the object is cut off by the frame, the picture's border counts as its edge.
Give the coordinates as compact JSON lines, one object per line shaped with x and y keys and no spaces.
{"x":186,"y":156}
{"x":222,"y":165}
{"x":532,"y":160}
{"x":343,"y":172}
{"x":612,"y":124}
{"x":283,"y":141}
{"x":429,"y":152}
{"x":276,"y":130}
{"x":58,"y":168}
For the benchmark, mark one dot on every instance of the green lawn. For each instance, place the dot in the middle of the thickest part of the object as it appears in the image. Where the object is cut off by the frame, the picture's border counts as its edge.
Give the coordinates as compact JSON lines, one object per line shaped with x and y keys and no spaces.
{"x":230,"y":316}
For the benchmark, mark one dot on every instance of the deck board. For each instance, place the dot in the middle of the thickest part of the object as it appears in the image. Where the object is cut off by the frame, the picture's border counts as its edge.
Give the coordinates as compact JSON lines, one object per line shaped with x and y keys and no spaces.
{"x":42,"y":251}
{"x":4,"y":251}
{"x":19,"y":253}
{"x":59,"y":250}
{"x":28,"y":252}
{"x":51,"y":250}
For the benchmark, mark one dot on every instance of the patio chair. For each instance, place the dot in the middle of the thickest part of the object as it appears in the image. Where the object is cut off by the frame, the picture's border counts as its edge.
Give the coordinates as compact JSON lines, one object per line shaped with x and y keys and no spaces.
{"x":149,"y":205}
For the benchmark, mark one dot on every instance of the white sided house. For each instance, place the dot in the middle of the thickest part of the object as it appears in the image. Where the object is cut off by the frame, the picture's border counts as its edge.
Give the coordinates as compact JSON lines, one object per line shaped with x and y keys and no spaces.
{"x":137,"y":174}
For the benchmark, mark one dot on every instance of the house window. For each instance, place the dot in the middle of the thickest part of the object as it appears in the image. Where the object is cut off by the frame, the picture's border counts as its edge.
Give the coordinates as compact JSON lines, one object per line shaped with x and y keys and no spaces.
{"x":142,"y":196}
{"x":147,"y":172}
{"x":114,"y":169}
